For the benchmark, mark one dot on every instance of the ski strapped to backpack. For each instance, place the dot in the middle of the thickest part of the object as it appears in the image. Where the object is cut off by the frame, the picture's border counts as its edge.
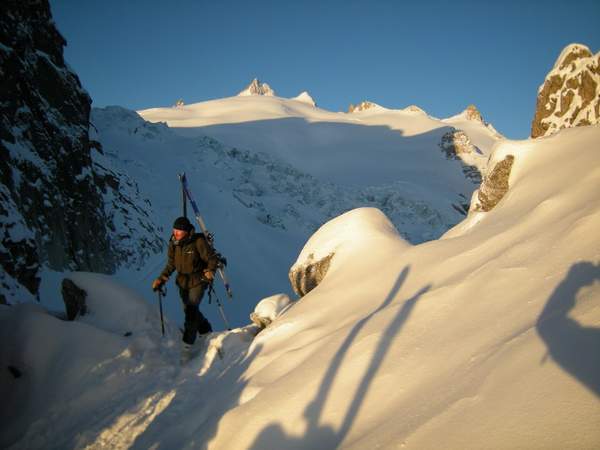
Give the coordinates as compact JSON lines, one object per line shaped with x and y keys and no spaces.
{"x":210,"y":240}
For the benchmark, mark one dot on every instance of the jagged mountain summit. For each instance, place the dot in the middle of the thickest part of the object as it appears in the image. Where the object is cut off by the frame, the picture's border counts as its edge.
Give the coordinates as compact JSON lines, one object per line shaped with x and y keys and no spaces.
{"x":362,"y":106}
{"x":570,"y":94}
{"x":257,"y":88}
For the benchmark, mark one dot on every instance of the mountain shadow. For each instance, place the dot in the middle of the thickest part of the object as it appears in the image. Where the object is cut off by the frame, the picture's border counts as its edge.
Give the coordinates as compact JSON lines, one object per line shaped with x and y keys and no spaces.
{"x":576,"y":348}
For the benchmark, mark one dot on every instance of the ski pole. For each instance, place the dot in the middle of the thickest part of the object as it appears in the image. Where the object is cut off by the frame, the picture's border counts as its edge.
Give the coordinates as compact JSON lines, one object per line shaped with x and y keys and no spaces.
{"x":211,"y":292}
{"x":162,"y":321}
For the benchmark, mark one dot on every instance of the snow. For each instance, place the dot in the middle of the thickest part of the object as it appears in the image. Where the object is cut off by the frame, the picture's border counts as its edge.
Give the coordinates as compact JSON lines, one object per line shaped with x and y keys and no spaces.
{"x":305,"y":97}
{"x":259,"y":204}
{"x":267,"y":310}
{"x":354,"y":228}
{"x":485,"y":338}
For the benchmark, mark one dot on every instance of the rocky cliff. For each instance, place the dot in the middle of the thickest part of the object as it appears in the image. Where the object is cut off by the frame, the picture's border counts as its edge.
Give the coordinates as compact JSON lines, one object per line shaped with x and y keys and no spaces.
{"x":570,"y":94}
{"x":52,"y":209}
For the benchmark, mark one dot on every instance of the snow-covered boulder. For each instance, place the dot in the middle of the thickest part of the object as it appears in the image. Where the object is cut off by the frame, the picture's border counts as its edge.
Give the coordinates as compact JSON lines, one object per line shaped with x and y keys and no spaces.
{"x":356,"y":228}
{"x":269,"y":308}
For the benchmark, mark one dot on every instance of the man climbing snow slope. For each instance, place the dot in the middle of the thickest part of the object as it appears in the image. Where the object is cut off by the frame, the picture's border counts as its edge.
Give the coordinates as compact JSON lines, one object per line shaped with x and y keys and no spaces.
{"x":195,"y":261}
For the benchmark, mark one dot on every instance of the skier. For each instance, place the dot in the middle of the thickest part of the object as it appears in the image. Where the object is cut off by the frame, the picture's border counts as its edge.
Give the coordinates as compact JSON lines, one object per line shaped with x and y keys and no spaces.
{"x":195,"y":261}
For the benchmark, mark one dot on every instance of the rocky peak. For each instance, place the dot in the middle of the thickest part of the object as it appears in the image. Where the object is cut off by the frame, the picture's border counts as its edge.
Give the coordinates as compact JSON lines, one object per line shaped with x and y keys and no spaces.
{"x":362,"y":106}
{"x":472,"y":113}
{"x":257,"y":88}
{"x":570,"y":94}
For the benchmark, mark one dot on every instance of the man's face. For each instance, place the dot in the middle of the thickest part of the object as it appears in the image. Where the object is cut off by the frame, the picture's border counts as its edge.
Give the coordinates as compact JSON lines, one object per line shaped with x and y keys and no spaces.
{"x":179,"y":234}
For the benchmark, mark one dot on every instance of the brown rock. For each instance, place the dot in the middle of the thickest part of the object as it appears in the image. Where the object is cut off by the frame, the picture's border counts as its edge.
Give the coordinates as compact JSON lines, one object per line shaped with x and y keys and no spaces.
{"x":307,"y":277}
{"x":570,"y":94}
{"x":495,"y":185}
{"x":472,"y":113}
{"x":362,"y":106}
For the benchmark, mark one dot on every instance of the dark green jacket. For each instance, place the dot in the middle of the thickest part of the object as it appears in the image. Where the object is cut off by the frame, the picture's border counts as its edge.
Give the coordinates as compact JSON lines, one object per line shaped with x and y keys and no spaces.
{"x":190,"y":257}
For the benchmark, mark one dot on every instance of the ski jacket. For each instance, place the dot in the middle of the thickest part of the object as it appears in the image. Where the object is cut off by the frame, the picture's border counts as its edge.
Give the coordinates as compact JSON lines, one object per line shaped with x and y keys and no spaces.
{"x":190,"y":256}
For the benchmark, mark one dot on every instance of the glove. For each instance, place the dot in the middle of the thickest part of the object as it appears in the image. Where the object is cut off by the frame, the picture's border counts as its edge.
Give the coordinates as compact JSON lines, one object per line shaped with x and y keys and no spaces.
{"x":156,"y":284}
{"x":209,"y":275}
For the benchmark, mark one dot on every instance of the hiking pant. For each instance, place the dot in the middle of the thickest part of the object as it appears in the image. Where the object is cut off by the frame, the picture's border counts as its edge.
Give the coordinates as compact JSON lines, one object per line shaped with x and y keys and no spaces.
{"x":195,"y":322}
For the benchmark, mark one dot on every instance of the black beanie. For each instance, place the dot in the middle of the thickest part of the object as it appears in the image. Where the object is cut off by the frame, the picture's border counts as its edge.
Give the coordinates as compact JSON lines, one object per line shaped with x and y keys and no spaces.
{"x":182,"y":223}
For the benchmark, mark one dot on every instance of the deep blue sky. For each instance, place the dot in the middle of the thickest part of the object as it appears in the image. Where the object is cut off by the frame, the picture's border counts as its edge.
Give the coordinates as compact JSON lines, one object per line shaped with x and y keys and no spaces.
{"x":439,"y":55}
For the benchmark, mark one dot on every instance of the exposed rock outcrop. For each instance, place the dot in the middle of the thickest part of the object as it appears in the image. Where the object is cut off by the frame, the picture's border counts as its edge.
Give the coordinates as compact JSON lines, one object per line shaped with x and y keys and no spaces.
{"x":472,"y":113}
{"x":257,"y":88}
{"x":494,"y":185}
{"x":570,"y":94}
{"x":457,"y":145}
{"x":55,"y":211}
{"x":53,"y":194}
{"x":362,"y":106}
{"x":74,"y":298}
{"x":306,"y":277}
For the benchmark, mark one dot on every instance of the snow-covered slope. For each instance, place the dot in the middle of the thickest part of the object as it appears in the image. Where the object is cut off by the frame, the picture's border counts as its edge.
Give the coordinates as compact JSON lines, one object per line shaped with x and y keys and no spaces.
{"x":297,"y":167}
{"x":371,"y":148}
{"x":260,"y":207}
{"x":485,"y":338}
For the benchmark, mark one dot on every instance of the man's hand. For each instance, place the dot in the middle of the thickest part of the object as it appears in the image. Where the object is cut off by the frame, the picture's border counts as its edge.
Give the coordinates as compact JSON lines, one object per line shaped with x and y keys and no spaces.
{"x":156,"y":284}
{"x":209,"y":275}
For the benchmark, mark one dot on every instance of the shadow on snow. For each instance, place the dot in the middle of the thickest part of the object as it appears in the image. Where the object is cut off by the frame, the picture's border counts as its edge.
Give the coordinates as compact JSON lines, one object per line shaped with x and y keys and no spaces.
{"x":325,"y":437}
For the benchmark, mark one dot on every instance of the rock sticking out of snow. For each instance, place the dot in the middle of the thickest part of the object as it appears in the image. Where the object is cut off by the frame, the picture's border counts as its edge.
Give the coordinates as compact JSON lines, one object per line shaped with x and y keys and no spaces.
{"x":362,"y":106}
{"x":257,"y":88}
{"x":570,"y":94}
{"x":269,"y":308}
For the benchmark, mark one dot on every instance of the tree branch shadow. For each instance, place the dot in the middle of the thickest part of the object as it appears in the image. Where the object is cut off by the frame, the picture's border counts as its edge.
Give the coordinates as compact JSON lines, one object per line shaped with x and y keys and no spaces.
{"x":574,"y":347}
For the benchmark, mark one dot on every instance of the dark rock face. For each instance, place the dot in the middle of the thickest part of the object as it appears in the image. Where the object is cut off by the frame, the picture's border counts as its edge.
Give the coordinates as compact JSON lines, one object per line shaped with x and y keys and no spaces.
{"x":307,"y":277}
{"x":570,"y":95}
{"x":456,"y":145}
{"x":495,"y":185}
{"x":74,"y":298}
{"x":51,"y":208}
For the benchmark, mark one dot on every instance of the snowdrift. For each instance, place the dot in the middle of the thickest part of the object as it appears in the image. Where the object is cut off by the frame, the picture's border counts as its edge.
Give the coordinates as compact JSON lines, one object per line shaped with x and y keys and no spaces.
{"x":485,"y":338}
